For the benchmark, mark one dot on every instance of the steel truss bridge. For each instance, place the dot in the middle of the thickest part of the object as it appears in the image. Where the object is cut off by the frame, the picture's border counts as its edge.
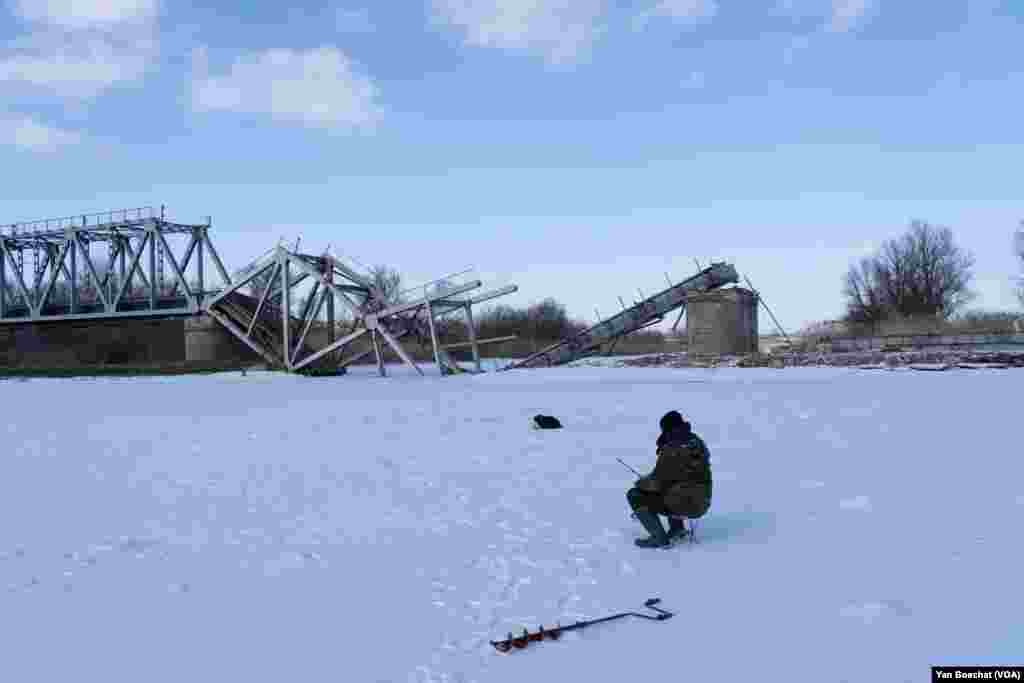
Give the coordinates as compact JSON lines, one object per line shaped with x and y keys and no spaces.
{"x":135,"y":263}
{"x":107,"y":265}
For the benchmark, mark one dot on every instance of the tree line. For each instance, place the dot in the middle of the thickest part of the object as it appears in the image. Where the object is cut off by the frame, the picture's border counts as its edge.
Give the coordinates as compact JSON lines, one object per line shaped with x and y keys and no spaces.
{"x":922,"y":273}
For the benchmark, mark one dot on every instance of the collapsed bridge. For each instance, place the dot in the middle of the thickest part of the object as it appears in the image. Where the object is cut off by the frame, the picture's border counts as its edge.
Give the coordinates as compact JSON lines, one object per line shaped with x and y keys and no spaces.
{"x":299,"y":312}
{"x":269,"y":328}
{"x":137,"y":265}
{"x":650,"y":311}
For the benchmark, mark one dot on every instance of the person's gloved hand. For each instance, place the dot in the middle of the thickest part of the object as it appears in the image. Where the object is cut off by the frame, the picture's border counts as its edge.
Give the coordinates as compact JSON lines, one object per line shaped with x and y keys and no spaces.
{"x":648,"y":485}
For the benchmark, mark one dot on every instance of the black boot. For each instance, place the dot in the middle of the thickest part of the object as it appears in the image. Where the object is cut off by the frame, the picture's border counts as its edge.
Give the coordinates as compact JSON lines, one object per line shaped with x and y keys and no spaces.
{"x":652,"y":524}
{"x":676,"y":528}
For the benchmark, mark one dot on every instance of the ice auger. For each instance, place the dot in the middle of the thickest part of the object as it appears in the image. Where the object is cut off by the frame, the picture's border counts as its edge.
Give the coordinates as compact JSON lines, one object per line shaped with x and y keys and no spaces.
{"x":522,"y":641}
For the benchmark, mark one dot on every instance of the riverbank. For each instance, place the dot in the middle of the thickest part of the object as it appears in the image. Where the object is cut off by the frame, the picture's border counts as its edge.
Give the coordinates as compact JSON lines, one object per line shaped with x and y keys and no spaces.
{"x":867,"y":359}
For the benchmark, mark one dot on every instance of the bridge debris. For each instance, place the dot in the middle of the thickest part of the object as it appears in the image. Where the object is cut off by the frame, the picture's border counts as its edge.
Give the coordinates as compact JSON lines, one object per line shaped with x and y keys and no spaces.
{"x":302,"y":342}
{"x":647,"y":312}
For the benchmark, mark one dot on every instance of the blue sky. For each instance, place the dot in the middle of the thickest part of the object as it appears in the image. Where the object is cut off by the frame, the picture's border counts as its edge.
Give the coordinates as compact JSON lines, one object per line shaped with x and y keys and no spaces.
{"x":578,"y":148}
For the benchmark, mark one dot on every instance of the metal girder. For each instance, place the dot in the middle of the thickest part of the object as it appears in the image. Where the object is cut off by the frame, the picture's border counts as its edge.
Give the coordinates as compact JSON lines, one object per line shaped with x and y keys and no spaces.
{"x":62,"y":252}
{"x":185,"y":261}
{"x":393,"y":343}
{"x":479,"y":342}
{"x":174,"y":265}
{"x":309,"y":321}
{"x":682,"y":312}
{"x":630,"y":319}
{"x":433,"y":336}
{"x":151,"y":238}
{"x":286,"y":337}
{"x":359,"y":355}
{"x":479,"y":299}
{"x":20,"y":281}
{"x":55,"y":270}
{"x":276,"y":292}
{"x":126,"y":281}
{"x":263,"y":297}
{"x":221,"y":270}
{"x":309,"y":271}
{"x":3,"y":280}
{"x":330,"y":347}
{"x":471,"y":328}
{"x":402,"y":308}
{"x":246,"y":276}
{"x":83,"y":249}
{"x":226,"y":322}
{"x":286,"y":307}
{"x":104,"y":315}
{"x":290,"y":269}
{"x":40,"y":274}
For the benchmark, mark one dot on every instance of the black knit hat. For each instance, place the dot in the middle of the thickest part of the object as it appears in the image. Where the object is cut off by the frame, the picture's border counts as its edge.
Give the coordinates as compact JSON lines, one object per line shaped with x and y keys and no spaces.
{"x":671,"y":420}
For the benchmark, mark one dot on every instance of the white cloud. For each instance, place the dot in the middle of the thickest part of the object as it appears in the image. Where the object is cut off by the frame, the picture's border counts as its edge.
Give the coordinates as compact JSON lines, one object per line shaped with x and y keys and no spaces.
{"x":80,"y":48}
{"x":316,"y":87}
{"x":29,"y":134}
{"x":75,"y":65}
{"x":848,"y":14}
{"x":86,"y":13}
{"x":561,"y":31}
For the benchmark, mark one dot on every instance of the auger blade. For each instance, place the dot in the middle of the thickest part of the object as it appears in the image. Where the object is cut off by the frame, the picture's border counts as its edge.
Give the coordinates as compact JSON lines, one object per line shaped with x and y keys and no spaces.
{"x":520,"y":642}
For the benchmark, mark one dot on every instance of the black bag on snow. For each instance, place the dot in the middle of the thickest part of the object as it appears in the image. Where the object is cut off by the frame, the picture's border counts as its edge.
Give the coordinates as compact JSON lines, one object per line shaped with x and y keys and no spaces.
{"x":546,"y":422}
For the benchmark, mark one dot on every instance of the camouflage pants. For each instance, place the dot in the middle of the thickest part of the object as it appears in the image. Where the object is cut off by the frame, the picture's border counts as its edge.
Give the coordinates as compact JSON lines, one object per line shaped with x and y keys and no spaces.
{"x":655,"y":502}
{"x":687,"y":504}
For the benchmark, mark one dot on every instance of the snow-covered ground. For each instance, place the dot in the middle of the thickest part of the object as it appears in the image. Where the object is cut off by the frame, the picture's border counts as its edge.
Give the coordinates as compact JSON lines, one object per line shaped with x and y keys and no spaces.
{"x":865,"y":526}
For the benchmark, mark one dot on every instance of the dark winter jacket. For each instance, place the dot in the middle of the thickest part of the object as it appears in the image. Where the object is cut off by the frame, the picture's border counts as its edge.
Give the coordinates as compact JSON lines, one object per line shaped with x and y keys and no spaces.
{"x":682,"y":473}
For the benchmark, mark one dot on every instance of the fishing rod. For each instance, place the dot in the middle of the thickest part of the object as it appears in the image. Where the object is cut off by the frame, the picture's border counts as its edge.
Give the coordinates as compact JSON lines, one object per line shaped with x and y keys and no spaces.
{"x":629,"y":468}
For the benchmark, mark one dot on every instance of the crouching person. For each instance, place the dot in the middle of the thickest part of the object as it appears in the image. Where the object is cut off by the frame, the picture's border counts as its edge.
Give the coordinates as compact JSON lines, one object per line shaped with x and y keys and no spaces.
{"x":679,"y":485}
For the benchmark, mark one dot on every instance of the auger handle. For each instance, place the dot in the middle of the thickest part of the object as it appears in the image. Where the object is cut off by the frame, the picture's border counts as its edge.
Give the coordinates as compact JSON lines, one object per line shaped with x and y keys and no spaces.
{"x":661,"y":614}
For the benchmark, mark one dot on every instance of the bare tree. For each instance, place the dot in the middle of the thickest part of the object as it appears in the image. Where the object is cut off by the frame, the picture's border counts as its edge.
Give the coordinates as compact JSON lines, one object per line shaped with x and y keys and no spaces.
{"x":863,"y":291}
{"x":550,"y":321}
{"x":921,"y":273}
{"x":389,"y":281}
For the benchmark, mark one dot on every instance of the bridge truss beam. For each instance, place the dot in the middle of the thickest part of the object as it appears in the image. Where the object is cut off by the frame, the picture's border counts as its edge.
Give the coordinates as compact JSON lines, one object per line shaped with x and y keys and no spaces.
{"x":69,"y":281}
{"x":649,"y":311}
{"x":272,"y":324}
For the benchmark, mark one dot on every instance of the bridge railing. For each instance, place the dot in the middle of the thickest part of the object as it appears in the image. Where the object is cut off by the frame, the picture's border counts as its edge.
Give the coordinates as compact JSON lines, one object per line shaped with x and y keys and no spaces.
{"x":83,"y":220}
